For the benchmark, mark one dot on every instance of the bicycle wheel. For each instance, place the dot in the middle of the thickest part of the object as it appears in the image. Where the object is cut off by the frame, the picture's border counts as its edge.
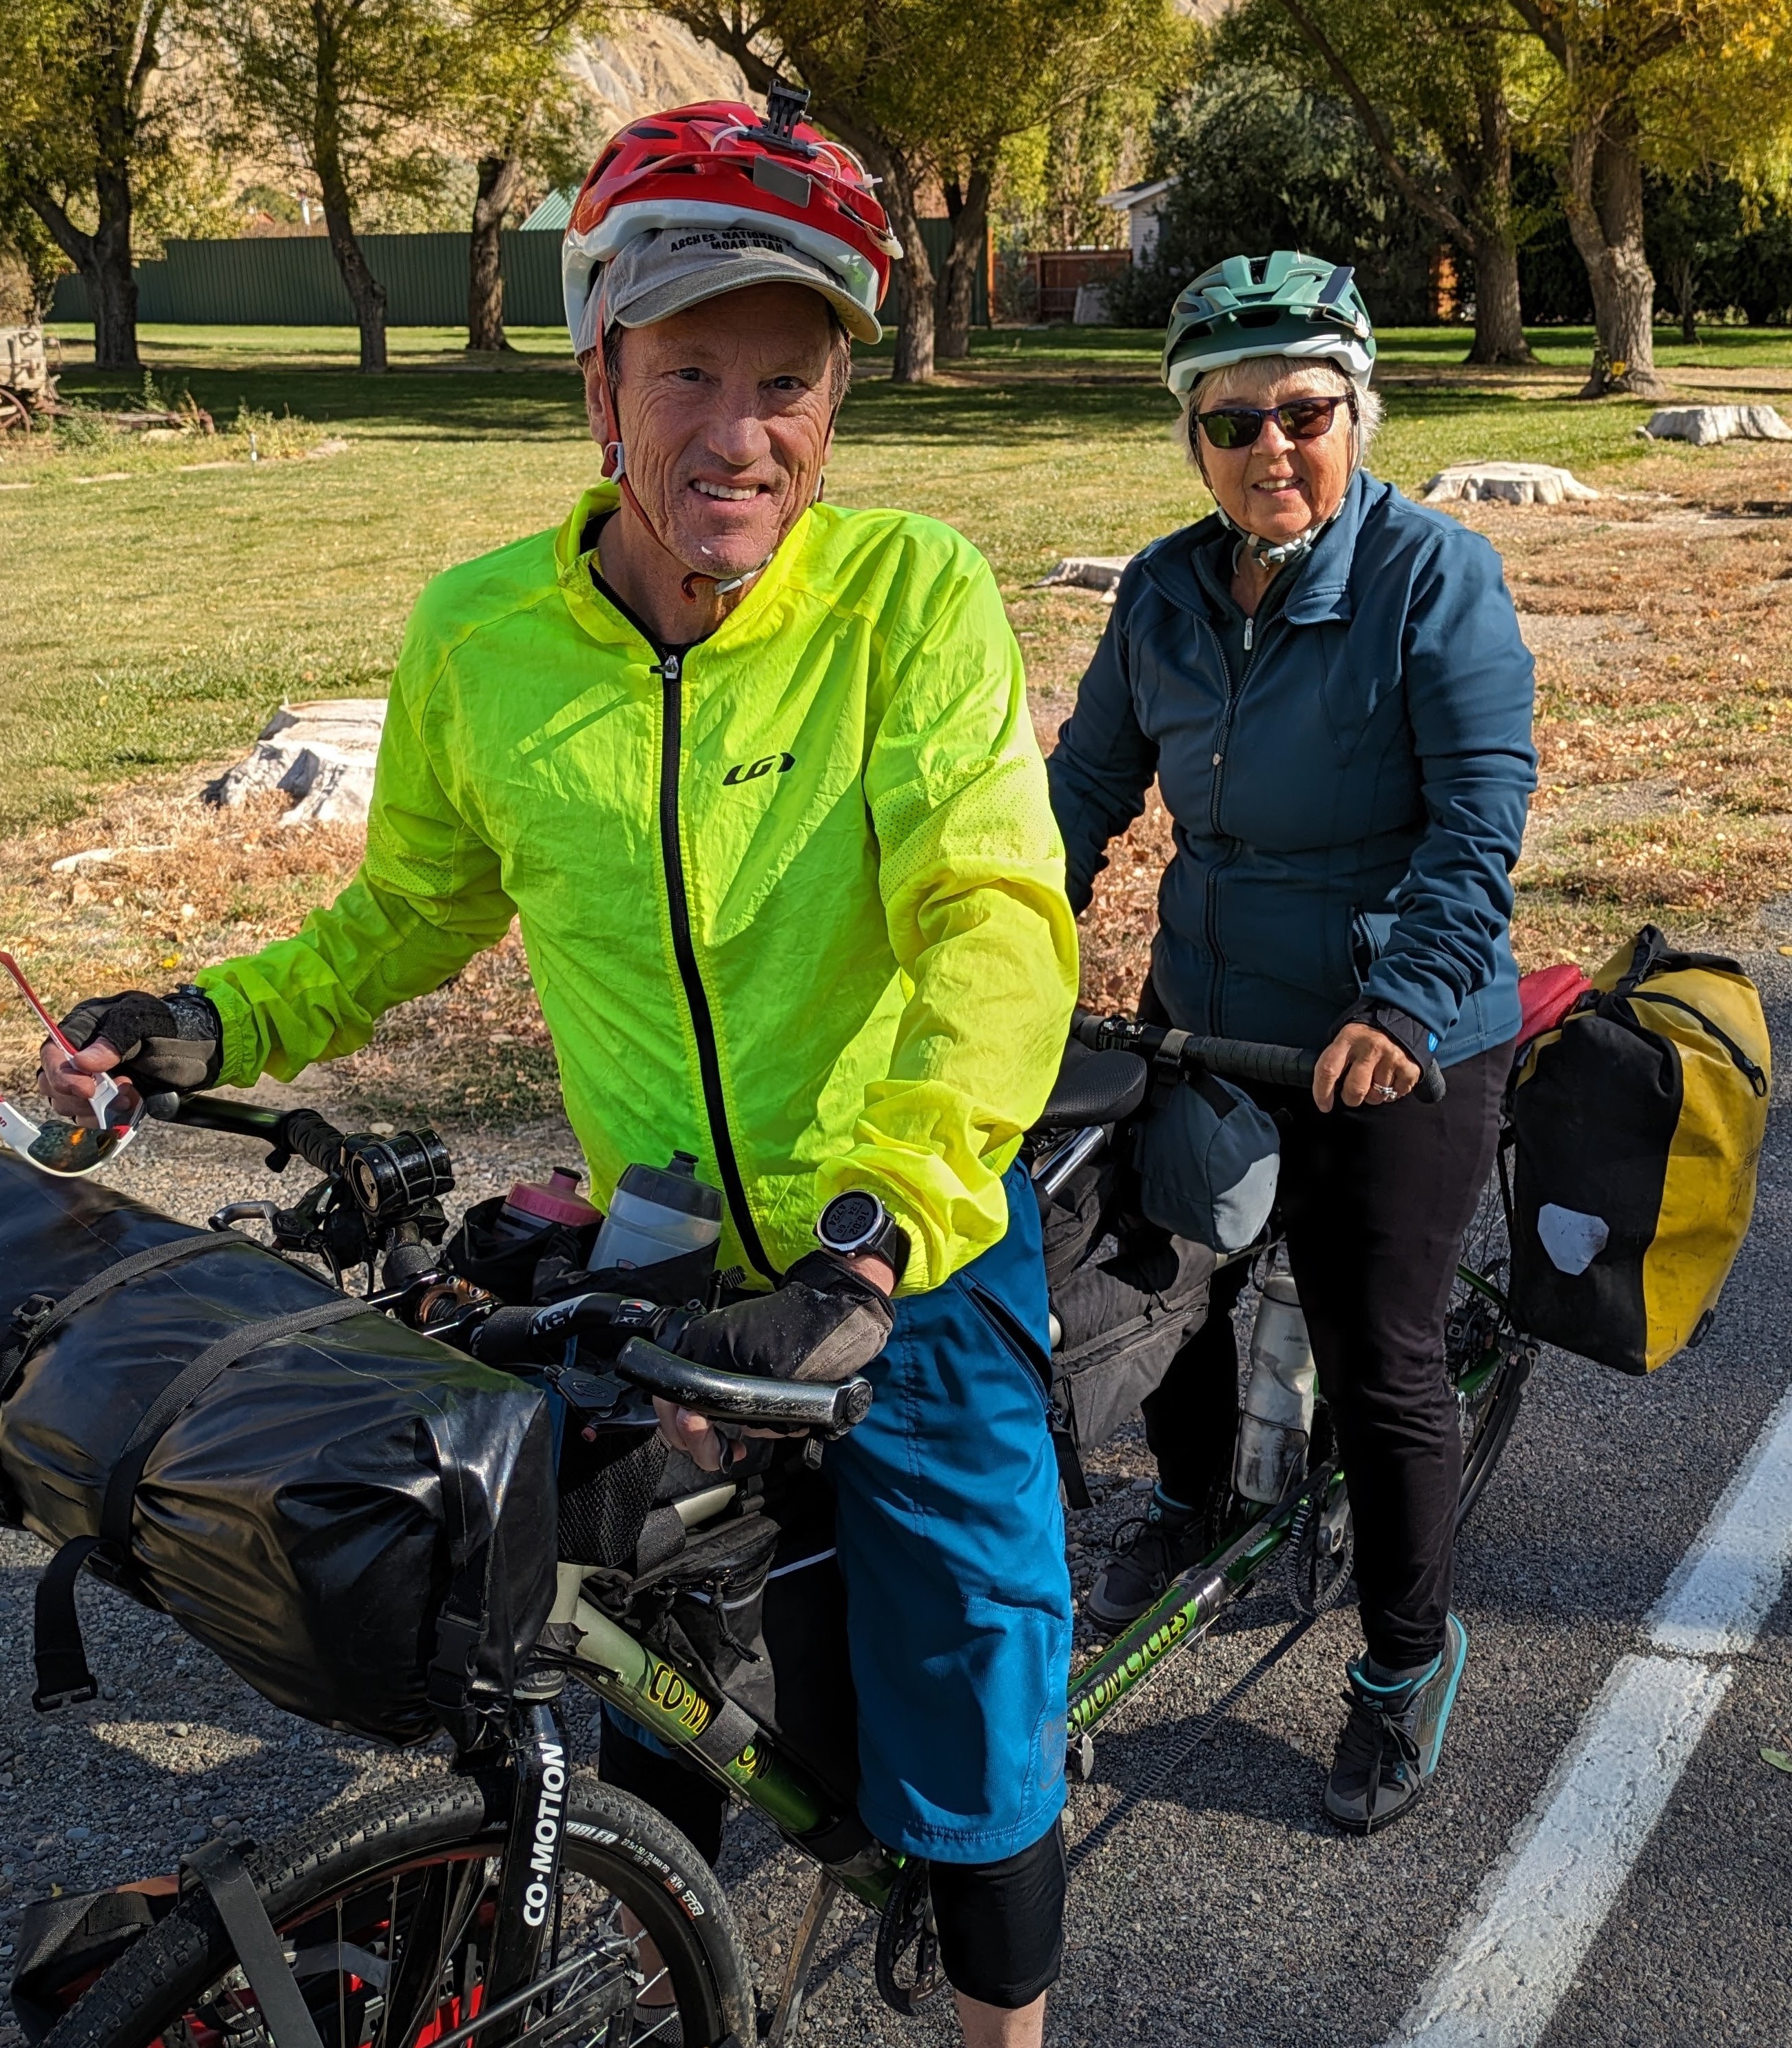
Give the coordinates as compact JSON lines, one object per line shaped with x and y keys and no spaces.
{"x":386,"y":1911}
{"x":1487,"y":1362}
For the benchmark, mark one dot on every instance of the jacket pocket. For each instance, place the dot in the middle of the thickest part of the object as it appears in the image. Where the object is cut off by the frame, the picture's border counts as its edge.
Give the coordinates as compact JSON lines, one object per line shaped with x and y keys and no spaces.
{"x":1012,"y":1335}
{"x":1370,"y":931}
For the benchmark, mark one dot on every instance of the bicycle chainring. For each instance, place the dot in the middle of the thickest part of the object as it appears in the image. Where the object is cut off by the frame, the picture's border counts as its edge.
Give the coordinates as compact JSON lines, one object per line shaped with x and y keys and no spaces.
{"x":908,"y":1948}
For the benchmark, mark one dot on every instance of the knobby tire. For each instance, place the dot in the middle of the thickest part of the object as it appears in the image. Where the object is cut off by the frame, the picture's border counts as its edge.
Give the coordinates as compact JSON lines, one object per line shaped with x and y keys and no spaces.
{"x":614,"y":1842}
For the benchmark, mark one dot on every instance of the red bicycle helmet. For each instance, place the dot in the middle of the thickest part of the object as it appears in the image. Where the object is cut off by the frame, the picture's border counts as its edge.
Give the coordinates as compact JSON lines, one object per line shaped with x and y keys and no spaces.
{"x":717,"y":164}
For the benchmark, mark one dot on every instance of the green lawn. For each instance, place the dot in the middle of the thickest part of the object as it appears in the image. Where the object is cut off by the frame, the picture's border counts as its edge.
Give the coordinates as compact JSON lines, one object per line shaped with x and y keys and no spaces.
{"x":154,"y":618}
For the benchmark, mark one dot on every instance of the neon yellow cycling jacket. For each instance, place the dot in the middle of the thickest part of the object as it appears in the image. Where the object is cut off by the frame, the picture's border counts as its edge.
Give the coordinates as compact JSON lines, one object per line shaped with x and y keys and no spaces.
{"x":793,"y":899}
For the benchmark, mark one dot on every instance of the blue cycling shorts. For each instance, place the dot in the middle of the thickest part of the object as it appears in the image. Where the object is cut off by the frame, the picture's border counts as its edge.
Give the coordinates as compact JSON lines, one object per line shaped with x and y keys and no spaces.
{"x":952,"y":1546}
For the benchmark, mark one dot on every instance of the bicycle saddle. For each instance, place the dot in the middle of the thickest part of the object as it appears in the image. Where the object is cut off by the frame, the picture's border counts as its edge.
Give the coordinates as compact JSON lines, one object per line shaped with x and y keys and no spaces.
{"x":1094,"y":1087}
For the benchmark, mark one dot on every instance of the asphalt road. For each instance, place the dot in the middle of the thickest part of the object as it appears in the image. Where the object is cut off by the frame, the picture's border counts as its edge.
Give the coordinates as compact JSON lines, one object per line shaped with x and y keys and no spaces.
{"x":1218,"y":1909}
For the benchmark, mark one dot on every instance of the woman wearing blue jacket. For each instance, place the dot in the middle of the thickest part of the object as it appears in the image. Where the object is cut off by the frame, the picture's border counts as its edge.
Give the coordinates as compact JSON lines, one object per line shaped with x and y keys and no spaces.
{"x":1328,"y":683}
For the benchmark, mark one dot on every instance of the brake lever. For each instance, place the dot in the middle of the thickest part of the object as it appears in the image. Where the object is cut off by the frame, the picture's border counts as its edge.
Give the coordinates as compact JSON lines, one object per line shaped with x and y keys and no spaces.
{"x":233,"y":1213}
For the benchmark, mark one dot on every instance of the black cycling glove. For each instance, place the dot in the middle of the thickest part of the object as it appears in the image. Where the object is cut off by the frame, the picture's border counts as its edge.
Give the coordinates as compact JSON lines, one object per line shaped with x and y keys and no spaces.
{"x":825,"y":1323}
{"x":163,"y":1042}
{"x":1416,"y":1041}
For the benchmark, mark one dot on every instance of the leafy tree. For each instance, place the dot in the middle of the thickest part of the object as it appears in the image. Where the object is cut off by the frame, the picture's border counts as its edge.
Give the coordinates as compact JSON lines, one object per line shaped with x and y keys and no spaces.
{"x":1695,"y":228}
{"x":1052,"y":179}
{"x":936,"y":88}
{"x":75,"y":129}
{"x":32,"y":255}
{"x":1260,"y":161}
{"x":1676,"y":86}
{"x":1431,"y":82}
{"x":520,"y":115}
{"x":348,"y":86}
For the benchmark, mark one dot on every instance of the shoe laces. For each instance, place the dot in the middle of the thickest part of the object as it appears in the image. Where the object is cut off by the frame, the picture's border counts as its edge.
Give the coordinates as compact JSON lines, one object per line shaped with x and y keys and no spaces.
{"x":1147,"y":1539}
{"x":1376,"y":1728}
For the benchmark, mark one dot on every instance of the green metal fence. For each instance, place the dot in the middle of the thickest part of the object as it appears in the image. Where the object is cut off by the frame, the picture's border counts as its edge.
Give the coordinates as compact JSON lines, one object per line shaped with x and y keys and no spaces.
{"x":291,"y":281}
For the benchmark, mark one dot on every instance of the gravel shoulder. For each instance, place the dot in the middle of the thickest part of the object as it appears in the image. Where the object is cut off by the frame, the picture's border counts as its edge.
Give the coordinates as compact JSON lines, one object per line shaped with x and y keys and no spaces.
{"x":1219,"y":1908}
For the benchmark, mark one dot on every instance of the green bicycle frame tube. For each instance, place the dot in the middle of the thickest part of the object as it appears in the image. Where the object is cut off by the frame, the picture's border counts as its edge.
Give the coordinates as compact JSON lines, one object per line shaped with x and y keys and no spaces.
{"x":653,"y":1692}
{"x":1187,"y":1607}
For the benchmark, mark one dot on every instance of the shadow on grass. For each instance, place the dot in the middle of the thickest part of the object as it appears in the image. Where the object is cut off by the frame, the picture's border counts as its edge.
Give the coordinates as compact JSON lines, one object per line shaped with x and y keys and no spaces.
{"x":447,"y":406}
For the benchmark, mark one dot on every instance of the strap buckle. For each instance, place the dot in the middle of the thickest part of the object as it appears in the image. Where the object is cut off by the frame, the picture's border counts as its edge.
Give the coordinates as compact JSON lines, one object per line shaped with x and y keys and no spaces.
{"x":450,"y":1670}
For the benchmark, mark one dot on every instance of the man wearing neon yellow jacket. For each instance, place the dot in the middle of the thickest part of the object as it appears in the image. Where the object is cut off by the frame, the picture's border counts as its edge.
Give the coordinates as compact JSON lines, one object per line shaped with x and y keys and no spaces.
{"x":756,"y":777}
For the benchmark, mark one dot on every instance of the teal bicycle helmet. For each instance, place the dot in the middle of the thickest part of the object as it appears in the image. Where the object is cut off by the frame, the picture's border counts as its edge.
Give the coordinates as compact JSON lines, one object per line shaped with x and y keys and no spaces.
{"x":1283,"y":304}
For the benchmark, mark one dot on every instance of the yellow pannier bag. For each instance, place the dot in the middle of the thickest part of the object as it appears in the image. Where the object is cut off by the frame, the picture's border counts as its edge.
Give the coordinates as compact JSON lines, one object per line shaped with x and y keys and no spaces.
{"x":1638,"y":1122}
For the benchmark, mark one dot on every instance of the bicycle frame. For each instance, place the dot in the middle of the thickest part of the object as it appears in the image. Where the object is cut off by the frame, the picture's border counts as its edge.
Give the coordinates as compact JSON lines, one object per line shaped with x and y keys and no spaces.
{"x":664,"y":1698}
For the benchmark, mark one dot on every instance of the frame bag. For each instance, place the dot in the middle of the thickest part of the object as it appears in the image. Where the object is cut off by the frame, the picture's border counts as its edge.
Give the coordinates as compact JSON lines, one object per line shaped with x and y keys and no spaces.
{"x":357,"y":1519}
{"x":1638,"y":1122}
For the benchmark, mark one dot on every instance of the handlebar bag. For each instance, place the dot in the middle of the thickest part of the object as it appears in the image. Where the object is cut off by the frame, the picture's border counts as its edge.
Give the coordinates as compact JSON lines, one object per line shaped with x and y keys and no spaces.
{"x":359,"y":1520}
{"x":1638,"y":1123}
{"x":1207,"y":1158}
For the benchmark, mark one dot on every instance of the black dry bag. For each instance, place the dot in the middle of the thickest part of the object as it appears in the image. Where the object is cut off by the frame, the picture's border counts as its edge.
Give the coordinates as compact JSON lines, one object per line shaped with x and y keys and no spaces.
{"x":357,"y":1519}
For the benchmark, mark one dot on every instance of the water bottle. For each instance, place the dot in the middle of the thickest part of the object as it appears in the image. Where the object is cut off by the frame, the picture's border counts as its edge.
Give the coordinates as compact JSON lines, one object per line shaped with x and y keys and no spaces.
{"x":532,"y":1207}
{"x":659,"y":1213}
{"x":1278,"y":1413}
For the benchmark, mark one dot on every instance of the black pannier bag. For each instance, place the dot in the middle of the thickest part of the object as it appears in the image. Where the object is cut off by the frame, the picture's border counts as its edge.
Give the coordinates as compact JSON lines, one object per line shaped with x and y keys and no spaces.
{"x":359,"y":1520}
{"x":1126,"y":1296}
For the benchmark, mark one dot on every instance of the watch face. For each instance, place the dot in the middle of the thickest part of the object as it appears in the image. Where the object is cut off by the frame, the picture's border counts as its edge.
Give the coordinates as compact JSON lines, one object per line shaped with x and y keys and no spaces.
{"x":849,"y":1218}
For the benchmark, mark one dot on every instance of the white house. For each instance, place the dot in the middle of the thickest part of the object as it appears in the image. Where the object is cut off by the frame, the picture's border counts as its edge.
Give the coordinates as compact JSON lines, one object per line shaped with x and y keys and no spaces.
{"x":1141,"y":204}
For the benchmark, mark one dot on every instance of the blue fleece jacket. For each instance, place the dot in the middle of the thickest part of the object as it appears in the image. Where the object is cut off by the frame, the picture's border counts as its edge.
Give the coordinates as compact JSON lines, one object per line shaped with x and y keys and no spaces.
{"x":1348,"y":797}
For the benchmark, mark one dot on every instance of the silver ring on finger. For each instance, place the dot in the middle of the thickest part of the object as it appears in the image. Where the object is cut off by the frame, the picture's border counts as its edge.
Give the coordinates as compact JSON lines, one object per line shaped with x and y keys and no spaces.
{"x":1387,"y":1094}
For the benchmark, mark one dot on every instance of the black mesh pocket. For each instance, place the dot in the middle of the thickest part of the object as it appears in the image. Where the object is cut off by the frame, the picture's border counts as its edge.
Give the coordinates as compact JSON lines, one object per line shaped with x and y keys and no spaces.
{"x":606,"y":1494}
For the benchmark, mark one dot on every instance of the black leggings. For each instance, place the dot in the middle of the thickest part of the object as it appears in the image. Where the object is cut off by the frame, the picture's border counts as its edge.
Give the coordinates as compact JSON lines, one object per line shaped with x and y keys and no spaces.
{"x":1376,"y":1201}
{"x":1001,"y":1924}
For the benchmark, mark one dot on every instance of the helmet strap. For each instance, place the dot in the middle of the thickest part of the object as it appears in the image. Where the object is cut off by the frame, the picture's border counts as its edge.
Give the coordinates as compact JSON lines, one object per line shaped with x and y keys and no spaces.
{"x":1276,"y":554}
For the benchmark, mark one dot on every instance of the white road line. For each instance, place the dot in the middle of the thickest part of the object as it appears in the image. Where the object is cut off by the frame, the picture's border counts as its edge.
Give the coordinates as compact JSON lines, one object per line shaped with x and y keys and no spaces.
{"x":1505,"y":1973}
{"x":1508,"y":1965}
{"x":1725,"y":1585}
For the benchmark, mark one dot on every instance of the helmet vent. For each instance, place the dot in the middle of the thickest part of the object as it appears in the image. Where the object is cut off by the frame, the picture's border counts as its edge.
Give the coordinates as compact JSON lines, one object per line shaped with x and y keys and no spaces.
{"x":1260,"y":269}
{"x":1259,"y":316}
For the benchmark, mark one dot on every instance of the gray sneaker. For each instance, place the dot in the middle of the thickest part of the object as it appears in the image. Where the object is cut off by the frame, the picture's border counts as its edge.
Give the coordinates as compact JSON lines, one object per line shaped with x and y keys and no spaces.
{"x":1390,"y":1743}
{"x":1148,"y":1552}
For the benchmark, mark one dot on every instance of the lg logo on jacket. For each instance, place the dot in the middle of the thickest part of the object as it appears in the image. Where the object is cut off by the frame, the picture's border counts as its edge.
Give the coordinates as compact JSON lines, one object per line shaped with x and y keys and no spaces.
{"x":749,"y":771}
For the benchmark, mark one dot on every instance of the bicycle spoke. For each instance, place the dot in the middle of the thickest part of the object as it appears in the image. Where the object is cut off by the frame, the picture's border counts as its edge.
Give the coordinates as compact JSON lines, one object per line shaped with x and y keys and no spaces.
{"x":392,"y":1960}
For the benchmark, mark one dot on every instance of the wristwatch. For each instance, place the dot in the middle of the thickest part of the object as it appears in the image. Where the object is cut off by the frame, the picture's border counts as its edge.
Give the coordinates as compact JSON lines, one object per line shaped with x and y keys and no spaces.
{"x":856,"y":1224}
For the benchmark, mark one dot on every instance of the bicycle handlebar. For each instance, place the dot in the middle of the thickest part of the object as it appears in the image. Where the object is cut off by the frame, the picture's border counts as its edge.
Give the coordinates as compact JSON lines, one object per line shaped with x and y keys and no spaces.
{"x":528,"y":1336}
{"x":739,"y":1397}
{"x":314,"y":1138}
{"x":1239,"y":1059}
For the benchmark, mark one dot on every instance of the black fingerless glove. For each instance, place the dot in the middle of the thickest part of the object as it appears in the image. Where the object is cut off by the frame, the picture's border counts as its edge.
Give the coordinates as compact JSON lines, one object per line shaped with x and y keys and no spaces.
{"x":163,"y":1042}
{"x":1416,"y":1040}
{"x":825,"y":1323}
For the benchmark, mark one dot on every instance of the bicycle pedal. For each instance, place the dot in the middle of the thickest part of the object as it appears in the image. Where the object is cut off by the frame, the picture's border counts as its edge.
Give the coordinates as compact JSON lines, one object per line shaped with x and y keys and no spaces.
{"x":1078,"y":1760}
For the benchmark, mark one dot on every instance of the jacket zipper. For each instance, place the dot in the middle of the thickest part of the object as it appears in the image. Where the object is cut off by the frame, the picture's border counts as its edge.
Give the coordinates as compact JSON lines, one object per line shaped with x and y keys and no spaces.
{"x":671,"y":670}
{"x":1221,"y":744}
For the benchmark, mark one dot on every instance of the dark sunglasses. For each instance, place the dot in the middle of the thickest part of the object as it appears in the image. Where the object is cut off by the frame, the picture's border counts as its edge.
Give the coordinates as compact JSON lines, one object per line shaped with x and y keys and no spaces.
{"x":1300,"y":420}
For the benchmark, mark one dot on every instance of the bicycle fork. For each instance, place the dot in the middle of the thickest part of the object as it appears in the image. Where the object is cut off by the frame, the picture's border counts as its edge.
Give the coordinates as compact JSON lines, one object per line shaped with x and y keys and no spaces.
{"x":529,"y":1887}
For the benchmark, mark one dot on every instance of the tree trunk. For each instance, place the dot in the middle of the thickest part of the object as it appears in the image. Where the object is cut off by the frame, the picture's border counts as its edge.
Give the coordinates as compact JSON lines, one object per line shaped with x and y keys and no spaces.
{"x":103,"y":261}
{"x":1683,"y":275}
{"x":914,"y":274}
{"x":955,"y":293}
{"x":1499,"y":315}
{"x":111,"y":285}
{"x":1484,"y":172}
{"x":366,"y":294}
{"x":1602,"y":196}
{"x":498,"y":178}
